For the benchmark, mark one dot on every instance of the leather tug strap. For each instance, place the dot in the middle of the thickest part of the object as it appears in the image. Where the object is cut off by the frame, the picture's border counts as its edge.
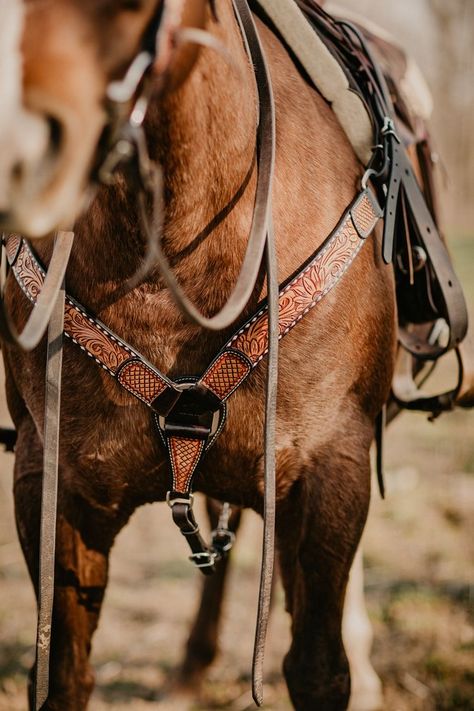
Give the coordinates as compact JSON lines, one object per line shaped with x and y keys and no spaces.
{"x":402,"y":180}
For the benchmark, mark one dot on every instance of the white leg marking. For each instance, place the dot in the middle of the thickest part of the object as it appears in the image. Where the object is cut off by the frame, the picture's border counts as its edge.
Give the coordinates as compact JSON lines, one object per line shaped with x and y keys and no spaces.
{"x":357,"y":635}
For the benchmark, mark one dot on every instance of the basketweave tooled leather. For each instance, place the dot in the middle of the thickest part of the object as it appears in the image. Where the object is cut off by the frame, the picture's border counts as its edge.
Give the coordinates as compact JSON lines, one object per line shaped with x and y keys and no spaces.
{"x":185,"y":454}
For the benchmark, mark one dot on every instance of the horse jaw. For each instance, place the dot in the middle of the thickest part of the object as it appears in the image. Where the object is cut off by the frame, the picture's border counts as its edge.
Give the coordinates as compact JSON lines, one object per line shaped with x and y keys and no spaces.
{"x":23,"y":136}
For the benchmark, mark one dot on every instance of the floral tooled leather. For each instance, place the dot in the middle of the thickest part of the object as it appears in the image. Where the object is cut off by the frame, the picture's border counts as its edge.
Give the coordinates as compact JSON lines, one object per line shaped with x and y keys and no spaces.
{"x":93,"y":339}
{"x":245,"y":349}
{"x":28,"y":272}
{"x":311,"y":285}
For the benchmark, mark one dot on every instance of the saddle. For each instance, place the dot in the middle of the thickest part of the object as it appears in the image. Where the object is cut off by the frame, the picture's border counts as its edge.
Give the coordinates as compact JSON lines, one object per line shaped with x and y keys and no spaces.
{"x":393,"y":106}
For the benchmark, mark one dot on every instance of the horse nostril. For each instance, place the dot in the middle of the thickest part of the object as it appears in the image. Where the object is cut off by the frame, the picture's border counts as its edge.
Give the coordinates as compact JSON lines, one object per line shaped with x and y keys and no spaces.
{"x":4,"y":217}
{"x":55,"y":133}
{"x":18,"y":171}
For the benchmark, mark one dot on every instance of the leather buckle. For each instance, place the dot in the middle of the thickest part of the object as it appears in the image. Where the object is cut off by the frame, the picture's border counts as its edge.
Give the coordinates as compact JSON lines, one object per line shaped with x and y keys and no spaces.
{"x":206,"y":559}
{"x":196,"y":414}
{"x":222,"y":540}
{"x":173,"y":500}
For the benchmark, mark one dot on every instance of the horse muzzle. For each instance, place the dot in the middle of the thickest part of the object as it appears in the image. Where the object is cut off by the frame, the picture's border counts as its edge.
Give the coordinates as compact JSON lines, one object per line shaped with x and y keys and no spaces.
{"x":45,"y":160}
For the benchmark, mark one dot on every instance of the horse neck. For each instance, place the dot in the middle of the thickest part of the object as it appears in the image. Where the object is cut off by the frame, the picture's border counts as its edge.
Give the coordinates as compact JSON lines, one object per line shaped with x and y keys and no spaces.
{"x":203,"y":135}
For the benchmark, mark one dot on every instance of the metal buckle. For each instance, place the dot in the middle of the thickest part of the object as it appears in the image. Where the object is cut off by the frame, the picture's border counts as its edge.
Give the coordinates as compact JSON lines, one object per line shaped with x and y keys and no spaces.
{"x":172,"y":501}
{"x":123,"y":90}
{"x":208,"y":559}
{"x":370,"y":171}
{"x":389,"y":129}
{"x":215,"y":416}
{"x":226,"y":534}
{"x":222,"y":531}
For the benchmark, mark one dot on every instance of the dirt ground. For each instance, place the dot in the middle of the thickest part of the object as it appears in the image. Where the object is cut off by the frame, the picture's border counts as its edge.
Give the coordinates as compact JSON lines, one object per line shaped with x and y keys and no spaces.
{"x":419,"y":553}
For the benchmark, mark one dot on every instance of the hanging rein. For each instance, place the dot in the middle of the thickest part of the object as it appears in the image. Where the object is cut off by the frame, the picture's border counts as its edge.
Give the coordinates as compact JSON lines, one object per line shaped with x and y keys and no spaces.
{"x":189,"y":413}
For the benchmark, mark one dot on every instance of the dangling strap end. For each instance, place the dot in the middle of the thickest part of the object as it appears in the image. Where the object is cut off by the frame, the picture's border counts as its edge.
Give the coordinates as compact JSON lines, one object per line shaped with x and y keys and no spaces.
{"x":379,"y":433}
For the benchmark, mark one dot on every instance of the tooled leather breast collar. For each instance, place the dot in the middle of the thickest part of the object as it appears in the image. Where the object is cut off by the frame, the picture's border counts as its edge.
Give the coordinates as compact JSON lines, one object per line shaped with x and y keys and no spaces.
{"x":190,"y":413}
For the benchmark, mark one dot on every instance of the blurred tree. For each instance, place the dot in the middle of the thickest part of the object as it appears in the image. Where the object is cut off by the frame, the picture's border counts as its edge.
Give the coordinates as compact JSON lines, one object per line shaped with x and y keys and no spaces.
{"x":454,"y":21}
{"x":440,"y":35}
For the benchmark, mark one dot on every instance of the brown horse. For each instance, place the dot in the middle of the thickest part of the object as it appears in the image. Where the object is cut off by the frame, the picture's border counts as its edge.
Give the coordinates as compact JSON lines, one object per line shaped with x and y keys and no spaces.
{"x":335,"y":369}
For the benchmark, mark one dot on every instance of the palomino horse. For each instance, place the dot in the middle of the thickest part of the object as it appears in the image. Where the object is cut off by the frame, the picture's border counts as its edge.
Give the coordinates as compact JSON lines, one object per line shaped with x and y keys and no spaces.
{"x":336,"y":367}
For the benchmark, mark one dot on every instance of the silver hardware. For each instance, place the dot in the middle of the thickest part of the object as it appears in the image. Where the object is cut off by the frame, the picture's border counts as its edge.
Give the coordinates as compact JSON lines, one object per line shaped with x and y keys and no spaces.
{"x":226,"y":511}
{"x":179,"y":500}
{"x":216,"y":416}
{"x":419,"y":257}
{"x":439,"y":333}
{"x":123,"y":90}
{"x":389,"y":129}
{"x":122,"y":151}
{"x":208,"y":558}
{"x":366,"y":177}
{"x":223,"y":531}
{"x":230,"y":535}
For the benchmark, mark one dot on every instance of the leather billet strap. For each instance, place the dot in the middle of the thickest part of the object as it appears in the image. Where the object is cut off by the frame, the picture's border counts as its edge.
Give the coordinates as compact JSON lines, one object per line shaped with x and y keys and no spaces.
{"x":403,"y":183}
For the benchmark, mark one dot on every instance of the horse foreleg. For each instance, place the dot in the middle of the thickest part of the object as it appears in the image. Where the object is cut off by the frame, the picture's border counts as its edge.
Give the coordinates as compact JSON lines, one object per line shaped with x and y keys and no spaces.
{"x":201,"y":647}
{"x":319,"y":527}
{"x":366,"y":687}
{"x":84,"y":538}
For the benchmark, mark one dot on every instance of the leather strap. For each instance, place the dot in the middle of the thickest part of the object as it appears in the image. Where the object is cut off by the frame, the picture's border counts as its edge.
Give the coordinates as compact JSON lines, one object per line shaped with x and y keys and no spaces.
{"x":380,"y":424}
{"x":45,"y":301}
{"x":115,"y":356}
{"x":49,"y":498}
{"x":258,"y":234}
{"x":451,"y":298}
{"x":269,"y":511}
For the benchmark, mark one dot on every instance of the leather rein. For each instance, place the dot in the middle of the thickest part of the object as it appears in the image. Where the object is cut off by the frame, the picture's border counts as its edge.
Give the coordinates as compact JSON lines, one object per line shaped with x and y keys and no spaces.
{"x":190,"y":413}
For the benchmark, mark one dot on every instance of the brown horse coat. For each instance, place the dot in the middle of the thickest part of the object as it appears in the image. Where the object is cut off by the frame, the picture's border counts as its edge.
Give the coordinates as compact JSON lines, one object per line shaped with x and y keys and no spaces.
{"x":335,"y":367}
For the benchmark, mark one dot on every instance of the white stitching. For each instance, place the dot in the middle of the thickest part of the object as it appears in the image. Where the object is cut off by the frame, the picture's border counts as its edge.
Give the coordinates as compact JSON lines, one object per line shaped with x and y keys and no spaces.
{"x":347,"y":222}
{"x":316,"y":301}
{"x":242,"y":357}
{"x":128,"y":365}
